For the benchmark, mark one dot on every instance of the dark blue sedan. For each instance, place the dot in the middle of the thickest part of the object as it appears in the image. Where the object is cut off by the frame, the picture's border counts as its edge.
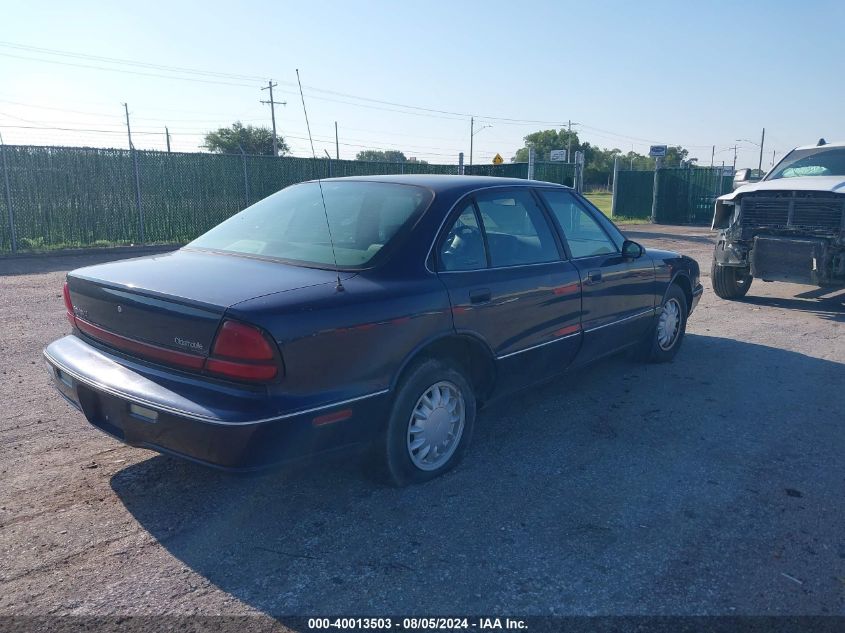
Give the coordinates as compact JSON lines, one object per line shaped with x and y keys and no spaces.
{"x":378,"y":312}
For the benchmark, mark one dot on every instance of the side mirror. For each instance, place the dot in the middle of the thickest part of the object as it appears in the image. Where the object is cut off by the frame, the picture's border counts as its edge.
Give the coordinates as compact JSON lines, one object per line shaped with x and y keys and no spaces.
{"x":632,"y":250}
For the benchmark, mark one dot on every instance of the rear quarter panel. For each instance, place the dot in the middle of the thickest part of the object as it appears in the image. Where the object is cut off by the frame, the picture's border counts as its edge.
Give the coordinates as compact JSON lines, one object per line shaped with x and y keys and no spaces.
{"x":341,"y":345}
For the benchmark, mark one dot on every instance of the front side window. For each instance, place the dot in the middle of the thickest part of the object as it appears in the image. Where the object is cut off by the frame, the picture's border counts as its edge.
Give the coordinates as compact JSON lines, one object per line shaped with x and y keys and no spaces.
{"x":516,"y":230}
{"x":290,"y":225}
{"x":583,"y":233}
{"x":463,"y":247}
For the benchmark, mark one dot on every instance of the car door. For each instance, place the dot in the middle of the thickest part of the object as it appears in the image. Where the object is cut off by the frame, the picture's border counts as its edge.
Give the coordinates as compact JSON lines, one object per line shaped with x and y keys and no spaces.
{"x":510,"y":284}
{"x":618,"y":295}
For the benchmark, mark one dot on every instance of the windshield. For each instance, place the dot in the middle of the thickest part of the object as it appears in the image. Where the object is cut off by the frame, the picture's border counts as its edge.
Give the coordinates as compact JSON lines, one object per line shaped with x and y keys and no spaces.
{"x":811,"y":162}
{"x":291,"y":224}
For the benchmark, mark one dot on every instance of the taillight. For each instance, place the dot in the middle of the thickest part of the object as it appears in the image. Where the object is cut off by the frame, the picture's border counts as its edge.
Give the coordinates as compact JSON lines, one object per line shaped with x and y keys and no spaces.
{"x":242,"y":352}
{"x":71,"y":317}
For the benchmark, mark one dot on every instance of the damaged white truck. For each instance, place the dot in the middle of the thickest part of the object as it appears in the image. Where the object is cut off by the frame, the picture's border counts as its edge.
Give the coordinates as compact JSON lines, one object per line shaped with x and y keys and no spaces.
{"x":790,"y":226}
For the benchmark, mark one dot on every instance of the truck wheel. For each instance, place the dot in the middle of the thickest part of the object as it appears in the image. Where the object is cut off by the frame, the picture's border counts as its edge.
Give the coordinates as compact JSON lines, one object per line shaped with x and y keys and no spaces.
{"x":430,"y":424}
{"x":665,"y":337}
{"x":730,"y":282}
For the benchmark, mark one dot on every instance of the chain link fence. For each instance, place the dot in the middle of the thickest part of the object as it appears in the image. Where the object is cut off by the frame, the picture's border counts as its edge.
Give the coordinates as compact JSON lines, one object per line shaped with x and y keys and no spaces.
{"x":62,"y":197}
{"x":684,"y":195}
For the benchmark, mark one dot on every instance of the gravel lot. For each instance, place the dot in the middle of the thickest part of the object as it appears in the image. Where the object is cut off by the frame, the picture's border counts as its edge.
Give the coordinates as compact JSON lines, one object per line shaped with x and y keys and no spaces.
{"x":710,"y":485}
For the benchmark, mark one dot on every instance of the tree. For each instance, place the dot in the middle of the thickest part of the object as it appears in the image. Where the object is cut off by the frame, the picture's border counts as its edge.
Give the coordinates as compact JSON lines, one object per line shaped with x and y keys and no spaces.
{"x":249,"y":139}
{"x":379,"y":156}
{"x":544,"y":142}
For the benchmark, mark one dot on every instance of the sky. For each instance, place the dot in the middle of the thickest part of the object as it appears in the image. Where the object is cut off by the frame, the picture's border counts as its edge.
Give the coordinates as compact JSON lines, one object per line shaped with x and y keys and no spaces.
{"x":410,"y":75}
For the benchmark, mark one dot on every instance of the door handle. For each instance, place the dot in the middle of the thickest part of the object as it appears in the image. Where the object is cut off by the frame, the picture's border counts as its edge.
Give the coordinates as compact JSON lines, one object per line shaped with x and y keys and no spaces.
{"x":482,"y":295}
{"x":594,"y":277}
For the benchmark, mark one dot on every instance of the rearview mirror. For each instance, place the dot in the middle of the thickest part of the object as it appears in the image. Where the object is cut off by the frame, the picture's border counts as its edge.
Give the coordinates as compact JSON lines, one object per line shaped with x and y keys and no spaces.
{"x":632,"y":249}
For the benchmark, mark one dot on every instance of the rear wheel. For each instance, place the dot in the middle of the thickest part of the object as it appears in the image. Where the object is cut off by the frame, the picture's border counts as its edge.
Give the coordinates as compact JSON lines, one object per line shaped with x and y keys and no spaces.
{"x":665,"y":338}
{"x":430,"y":424}
{"x":730,"y":282}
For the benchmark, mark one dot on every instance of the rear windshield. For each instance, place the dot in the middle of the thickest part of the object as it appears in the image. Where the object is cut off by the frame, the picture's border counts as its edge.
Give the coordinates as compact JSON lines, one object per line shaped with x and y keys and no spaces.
{"x":811,"y":162}
{"x":290,"y":225}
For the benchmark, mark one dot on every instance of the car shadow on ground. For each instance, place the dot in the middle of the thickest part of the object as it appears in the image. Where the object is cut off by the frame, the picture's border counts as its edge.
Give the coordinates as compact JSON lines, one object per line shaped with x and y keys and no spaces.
{"x":625,"y":488}
{"x":831,"y":308}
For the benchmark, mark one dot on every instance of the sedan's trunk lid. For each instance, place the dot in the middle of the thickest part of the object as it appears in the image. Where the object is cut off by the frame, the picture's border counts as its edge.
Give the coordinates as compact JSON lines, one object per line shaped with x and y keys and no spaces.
{"x":176,"y":300}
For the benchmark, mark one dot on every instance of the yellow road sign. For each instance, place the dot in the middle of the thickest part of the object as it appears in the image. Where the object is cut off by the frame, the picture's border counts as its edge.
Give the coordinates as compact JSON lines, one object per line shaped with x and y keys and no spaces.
{"x":498,"y":160}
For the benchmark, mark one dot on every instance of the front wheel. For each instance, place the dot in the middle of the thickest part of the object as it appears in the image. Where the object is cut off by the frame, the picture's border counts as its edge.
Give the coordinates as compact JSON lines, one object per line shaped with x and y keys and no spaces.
{"x":730,"y":282}
{"x":665,"y":337}
{"x":430,"y":424}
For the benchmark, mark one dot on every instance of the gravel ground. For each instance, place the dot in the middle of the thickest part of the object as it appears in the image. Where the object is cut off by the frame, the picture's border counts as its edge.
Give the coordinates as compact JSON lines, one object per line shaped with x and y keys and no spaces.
{"x":710,"y":485}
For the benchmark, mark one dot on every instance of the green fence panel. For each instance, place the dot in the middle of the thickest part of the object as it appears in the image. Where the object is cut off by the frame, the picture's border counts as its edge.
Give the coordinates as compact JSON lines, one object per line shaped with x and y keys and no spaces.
{"x":505,"y":170}
{"x":560,"y":173}
{"x":69,"y":198}
{"x":634,"y":194}
{"x":5,"y":228}
{"x":686,"y":195}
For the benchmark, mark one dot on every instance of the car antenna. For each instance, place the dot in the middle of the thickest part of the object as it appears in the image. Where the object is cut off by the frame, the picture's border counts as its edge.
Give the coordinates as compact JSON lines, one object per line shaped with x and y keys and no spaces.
{"x":339,"y":287}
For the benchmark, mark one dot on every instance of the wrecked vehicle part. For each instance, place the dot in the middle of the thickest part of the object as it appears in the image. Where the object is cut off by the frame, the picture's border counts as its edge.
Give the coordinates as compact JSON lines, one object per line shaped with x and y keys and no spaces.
{"x":789,"y":227}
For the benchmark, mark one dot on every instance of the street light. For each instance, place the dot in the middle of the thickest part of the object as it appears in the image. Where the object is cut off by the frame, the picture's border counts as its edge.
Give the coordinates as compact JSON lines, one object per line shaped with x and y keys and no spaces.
{"x":472,"y":133}
{"x":760,"y":145}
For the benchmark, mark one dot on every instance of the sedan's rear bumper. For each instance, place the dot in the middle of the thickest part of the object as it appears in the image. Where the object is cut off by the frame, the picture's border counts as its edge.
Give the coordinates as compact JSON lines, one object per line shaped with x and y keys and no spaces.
{"x":214,"y":424}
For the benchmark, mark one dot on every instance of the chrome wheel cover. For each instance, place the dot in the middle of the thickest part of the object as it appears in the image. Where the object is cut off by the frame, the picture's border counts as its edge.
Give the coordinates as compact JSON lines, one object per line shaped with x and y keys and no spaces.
{"x":436,"y":425}
{"x":669,"y":325}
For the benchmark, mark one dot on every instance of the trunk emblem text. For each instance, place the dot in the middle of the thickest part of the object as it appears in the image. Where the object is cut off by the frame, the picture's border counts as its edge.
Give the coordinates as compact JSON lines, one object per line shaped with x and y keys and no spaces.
{"x":190,"y":344}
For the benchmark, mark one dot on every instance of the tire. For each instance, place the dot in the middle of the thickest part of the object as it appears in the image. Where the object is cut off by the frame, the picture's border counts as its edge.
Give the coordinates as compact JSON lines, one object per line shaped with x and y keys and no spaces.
{"x":445,"y":386}
{"x":664,"y":339}
{"x":730,"y":282}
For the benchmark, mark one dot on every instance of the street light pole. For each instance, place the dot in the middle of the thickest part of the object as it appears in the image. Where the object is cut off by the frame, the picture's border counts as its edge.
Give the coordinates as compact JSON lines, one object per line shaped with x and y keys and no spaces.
{"x":471,"y":134}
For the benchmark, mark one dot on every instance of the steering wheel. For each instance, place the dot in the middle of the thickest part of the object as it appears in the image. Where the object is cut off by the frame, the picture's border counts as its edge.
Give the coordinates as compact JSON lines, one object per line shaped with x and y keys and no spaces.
{"x":460,"y":237}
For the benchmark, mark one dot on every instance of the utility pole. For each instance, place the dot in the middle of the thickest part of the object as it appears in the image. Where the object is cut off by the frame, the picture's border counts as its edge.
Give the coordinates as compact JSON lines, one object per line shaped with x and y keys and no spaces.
{"x":336,"y":143}
{"x":774,"y":152}
{"x":128,"y":129}
{"x":734,"y":149}
{"x":471,"y":134}
{"x":762,"y":140}
{"x":167,"y":134}
{"x":273,"y":104}
{"x":137,"y":171}
{"x":569,"y":142}
{"x":712,"y":156}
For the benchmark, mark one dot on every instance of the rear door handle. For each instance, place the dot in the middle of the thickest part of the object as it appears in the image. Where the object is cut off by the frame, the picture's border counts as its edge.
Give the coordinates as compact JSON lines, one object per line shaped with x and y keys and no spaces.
{"x":594,"y":277}
{"x":482,"y":295}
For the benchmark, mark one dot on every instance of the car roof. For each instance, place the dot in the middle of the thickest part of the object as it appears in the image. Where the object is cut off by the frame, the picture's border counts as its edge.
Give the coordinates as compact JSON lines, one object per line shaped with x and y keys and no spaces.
{"x":442,"y":183}
{"x":825,"y":146}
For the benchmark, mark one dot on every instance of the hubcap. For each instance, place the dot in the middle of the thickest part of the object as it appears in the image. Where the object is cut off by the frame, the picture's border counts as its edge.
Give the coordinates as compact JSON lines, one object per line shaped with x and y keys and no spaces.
{"x":436,"y":426}
{"x":669,"y":324}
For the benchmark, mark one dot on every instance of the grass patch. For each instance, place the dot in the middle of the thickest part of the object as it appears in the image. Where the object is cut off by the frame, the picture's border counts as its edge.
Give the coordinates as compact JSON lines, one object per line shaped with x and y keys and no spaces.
{"x":604,"y":201}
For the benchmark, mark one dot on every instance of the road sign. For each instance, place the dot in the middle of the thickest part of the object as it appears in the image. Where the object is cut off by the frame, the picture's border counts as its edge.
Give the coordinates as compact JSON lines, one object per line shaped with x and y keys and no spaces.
{"x":558,"y":155}
{"x":498,"y":160}
{"x":657,"y":151}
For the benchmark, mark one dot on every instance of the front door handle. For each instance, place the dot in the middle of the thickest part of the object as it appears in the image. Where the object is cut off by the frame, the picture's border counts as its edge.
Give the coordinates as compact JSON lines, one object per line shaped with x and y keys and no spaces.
{"x":482,"y":295}
{"x":594,"y":277}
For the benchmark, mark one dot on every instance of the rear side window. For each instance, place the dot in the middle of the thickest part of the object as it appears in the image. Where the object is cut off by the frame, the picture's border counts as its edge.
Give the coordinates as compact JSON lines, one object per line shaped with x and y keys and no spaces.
{"x":583,"y":234}
{"x":516,"y":230}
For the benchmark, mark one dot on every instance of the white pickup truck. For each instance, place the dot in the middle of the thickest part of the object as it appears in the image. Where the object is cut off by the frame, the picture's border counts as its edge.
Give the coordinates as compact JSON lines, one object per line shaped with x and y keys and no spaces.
{"x":790,"y":226}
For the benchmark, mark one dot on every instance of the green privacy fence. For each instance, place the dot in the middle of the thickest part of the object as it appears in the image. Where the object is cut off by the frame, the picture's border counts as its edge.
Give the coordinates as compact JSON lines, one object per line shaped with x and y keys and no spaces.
{"x":64,"y":197}
{"x":684,"y":195}
{"x":633,"y":194}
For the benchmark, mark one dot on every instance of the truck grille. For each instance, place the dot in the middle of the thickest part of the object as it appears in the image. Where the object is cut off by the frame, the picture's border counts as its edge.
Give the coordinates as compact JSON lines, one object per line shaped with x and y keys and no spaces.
{"x":798,"y":210}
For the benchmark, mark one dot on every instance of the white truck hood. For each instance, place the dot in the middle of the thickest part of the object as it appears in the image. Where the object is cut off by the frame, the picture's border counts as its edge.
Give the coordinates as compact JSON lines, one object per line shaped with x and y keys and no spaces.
{"x":833,"y":184}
